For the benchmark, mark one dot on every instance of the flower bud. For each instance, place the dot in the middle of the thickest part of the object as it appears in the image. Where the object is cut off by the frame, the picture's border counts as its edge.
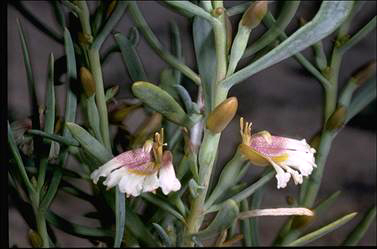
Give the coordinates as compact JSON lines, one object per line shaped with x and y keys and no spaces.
{"x":219,"y":118}
{"x":218,"y":12}
{"x":337,"y":119}
{"x":85,"y":39}
{"x":87,"y":81}
{"x":35,"y":239}
{"x":365,"y":73}
{"x":254,"y":14}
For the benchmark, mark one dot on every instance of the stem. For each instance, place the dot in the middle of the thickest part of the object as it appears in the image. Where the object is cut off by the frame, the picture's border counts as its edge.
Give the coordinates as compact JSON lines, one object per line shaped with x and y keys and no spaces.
{"x":42,"y":228}
{"x":220,"y":43}
{"x":95,"y":67}
{"x":156,"y":45}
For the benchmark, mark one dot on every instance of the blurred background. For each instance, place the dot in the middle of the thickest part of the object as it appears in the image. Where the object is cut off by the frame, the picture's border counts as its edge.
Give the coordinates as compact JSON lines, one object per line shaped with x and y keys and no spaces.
{"x":283,"y":99}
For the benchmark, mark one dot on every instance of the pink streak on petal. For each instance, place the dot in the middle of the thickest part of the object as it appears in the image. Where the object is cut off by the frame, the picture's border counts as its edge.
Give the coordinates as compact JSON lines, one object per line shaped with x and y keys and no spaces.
{"x":275,"y":148}
{"x":134,"y":159}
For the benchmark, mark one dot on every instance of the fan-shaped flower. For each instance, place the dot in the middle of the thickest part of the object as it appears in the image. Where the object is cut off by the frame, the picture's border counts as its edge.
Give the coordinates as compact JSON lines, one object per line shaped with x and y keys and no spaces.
{"x":289,"y":157}
{"x":140,"y":170}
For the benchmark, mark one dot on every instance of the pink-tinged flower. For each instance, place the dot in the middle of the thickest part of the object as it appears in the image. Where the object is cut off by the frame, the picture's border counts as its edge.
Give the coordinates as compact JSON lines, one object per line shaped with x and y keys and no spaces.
{"x":140,"y":170}
{"x":289,"y":157}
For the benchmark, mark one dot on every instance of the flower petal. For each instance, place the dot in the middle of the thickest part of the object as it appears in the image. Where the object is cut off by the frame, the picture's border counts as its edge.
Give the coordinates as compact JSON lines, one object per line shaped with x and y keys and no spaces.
{"x":114,"y":177}
{"x":281,"y":176}
{"x":168,"y":180}
{"x":151,"y":183}
{"x":131,"y":184}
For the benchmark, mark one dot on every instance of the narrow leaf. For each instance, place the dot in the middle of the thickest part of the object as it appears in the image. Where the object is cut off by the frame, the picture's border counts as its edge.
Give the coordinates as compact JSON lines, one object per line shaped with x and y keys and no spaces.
{"x":120,"y":217}
{"x":185,"y":97}
{"x":163,"y":235}
{"x":204,"y":44}
{"x":163,"y":205}
{"x":76,"y":229}
{"x":322,"y":231}
{"x":359,"y":231}
{"x":362,"y":98}
{"x":54,"y":137}
{"x":330,"y":15}
{"x":130,"y":58}
{"x":245,"y":225}
{"x":89,"y":143}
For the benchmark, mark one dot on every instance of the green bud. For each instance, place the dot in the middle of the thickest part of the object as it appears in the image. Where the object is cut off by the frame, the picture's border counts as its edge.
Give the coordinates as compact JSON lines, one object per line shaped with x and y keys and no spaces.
{"x":254,"y":14}
{"x":219,"y":118}
{"x":87,"y":82}
{"x":315,"y":140}
{"x":337,"y":119}
{"x":35,"y":239}
{"x":365,"y":73}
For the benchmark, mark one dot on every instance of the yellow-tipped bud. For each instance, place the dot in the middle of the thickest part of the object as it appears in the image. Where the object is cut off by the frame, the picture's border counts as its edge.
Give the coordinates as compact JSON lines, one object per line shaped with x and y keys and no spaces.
{"x":85,"y":39}
{"x":337,"y":119}
{"x":87,"y":82}
{"x":365,"y":73}
{"x":219,"y":118}
{"x":254,"y":14}
{"x":218,"y":12}
{"x":35,"y":239}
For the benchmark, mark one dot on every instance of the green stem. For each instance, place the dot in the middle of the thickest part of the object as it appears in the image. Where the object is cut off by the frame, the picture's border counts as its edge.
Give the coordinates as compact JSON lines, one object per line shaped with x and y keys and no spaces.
{"x":220,"y":44}
{"x":207,"y":155}
{"x":156,"y":45}
{"x":95,"y":67}
{"x":42,"y":228}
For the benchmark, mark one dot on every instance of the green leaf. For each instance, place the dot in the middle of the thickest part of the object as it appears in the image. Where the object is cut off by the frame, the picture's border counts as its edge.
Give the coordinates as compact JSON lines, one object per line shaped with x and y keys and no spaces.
{"x":138,"y":229}
{"x":120,"y":217}
{"x":224,"y":218}
{"x":163,"y":235}
{"x":59,"y":13}
{"x":330,"y":15}
{"x":168,"y":81}
{"x":185,"y":97}
{"x":115,"y":17}
{"x":254,"y":222}
{"x":76,"y":229}
{"x":322,"y":231}
{"x":54,"y":137}
{"x":362,"y":98}
{"x":245,"y":225}
{"x":130,"y":58}
{"x":71,"y":99}
{"x":163,"y":204}
{"x":162,"y":102}
{"x":359,"y":231}
{"x":133,"y":36}
{"x":176,"y":47}
{"x":19,"y":162}
{"x":50,"y":98}
{"x":30,"y":78}
{"x":249,"y":190}
{"x":89,"y":143}
{"x":111,"y":92}
{"x":287,"y":13}
{"x":204,"y":44}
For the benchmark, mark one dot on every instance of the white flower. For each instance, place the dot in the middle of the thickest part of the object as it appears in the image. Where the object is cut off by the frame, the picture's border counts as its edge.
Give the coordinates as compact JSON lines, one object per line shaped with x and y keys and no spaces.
{"x":136,"y":171}
{"x":289,"y":157}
